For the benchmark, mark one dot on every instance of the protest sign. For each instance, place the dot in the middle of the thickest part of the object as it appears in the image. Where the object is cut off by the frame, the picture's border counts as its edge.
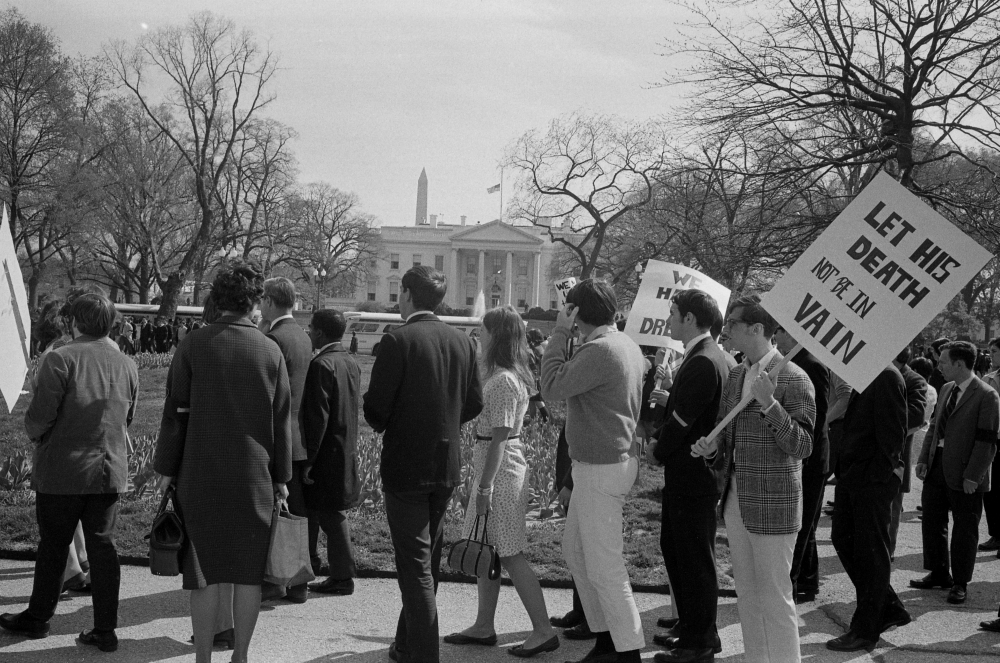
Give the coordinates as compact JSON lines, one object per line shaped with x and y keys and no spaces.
{"x":647,"y":321}
{"x":875,"y":277}
{"x":562,"y":288}
{"x":15,"y":324}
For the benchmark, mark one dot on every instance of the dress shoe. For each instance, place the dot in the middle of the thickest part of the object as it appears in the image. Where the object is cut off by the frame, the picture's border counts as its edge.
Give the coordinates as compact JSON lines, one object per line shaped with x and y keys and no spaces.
{"x":270,"y":592}
{"x":957,"y":594}
{"x":667,"y":622}
{"x":105,"y":640}
{"x":551,"y":644}
{"x":992,"y":625}
{"x":395,"y":654}
{"x":569,"y":620}
{"x":805,"y":596}
{"x":933,"y":580}
{"x":297,"y":594}
{"x":898,"y":619}
{"x":673,"y":642}
{"x":25,"y":625}
{"x":579,"y":632}
{"x":225,"y":639}
{"x":992,"y":543}
{"x":463,"y":639}
{"x":684,"y":655}
{"x":331,"y":586}
{"x":850,"y":641}
{"x":78,"y":583}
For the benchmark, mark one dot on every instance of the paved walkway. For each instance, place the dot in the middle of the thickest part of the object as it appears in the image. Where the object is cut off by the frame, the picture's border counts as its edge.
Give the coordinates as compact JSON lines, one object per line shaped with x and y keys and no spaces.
{"x":155,"y":623}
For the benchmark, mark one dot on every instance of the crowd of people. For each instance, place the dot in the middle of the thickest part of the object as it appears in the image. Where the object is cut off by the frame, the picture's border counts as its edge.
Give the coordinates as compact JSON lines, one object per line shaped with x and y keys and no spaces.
{"x":258,"y":413}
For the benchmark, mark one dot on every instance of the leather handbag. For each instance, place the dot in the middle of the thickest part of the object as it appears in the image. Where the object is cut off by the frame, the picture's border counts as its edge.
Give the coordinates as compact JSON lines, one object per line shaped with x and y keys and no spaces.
{"x":288,"y":562}
{"x":475,"y":556}
{"x":167,"y":538}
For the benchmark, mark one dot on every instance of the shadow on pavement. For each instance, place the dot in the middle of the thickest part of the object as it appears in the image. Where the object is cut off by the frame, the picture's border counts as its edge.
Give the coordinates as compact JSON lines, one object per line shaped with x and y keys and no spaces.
{"x":129,"y":651}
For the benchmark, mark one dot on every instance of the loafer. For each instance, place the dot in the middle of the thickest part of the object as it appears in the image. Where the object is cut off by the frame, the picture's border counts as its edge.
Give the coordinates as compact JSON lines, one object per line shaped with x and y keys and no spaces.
{"x":901,"y":619}
{"x":933,"y":580}
{"x":805,"y":596}
{"x":569,"y":620}
{"x":957,"y":594}
{"x":331,"y":586}
{"x":225,"y":639}
{"x":270,"y":592}
{"x":992,"y":543}
{"x":25,"y":625}
{"x":77,"y":583}
{"x":463,"y":639}
{"x":579,"y":632}
{"x":851,"y":641}
{"x":673,"y":642}
{"x":667,"y":622}
{"x":991,"y":625}
{"x":297,"y":594}
{"x":551,"y":644}
{"x":684,"y":655}
{"x":106,"y":641}
{"x":394,"y":652}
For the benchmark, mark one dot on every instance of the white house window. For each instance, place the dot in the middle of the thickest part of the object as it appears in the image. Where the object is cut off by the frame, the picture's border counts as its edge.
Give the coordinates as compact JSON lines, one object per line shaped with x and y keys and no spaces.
{"x":497,"y":264}
{"x":439,"y":263}
{"x":394,"y":261}
{"x":416,"y":259}
{"x":522,"y":266}
{"x":470,"y":265}
{"x":470,"y":294}
{"x":393,"y":292}
{"x":371,"y":290}
{"x":522,"y":296}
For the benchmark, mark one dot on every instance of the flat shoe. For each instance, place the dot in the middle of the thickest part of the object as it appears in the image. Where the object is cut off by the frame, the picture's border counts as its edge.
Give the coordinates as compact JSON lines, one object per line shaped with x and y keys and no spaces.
{"x":992,"y":625}
{"x":462,"y":639}
{"x":551,"y":644}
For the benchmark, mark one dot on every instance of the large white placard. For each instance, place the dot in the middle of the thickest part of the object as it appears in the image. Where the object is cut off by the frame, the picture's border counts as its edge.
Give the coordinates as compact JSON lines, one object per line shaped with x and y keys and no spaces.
{"x":882,"y":270}
{"x":563,"y":286}
{"x":15,"y":323}
{"x":647,"y":321}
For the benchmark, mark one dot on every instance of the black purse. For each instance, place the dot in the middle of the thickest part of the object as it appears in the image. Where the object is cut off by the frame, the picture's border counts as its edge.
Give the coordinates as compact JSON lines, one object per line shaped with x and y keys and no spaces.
{"x":167,"y":538}
{"x":475,"y":556}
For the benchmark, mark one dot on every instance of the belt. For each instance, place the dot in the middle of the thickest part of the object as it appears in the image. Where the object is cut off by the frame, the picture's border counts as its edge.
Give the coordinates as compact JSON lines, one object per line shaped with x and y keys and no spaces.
{"x":490,"y":437}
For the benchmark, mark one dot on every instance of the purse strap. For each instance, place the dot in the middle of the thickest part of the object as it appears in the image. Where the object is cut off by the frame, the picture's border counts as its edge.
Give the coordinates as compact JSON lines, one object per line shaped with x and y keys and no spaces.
{"x":484,"y":539}
{"x":168,"y":494}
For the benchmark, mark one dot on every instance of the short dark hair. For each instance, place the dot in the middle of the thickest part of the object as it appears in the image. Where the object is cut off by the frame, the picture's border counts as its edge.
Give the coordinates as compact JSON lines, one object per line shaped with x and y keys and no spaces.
{"x":331,"y":322}
{"x":923,"y":367}
{"x":962,"y":351}
{"x":210,"y":312}
{"x":753,"y":313}
{"x":595,"y":300}
{"x":50,"y":325}
{"x":904,"y":355}
{"x":280,"y":291}
{"x":700,"y":304}
{"x":94,"y":315}
{"x":427,"y":287}
{"x":939,"y":343}
{"x":238,"y":287}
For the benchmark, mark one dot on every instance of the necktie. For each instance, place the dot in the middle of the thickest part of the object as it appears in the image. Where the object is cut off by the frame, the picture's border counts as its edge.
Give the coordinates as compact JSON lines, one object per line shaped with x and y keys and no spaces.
{"x":948,"y":409}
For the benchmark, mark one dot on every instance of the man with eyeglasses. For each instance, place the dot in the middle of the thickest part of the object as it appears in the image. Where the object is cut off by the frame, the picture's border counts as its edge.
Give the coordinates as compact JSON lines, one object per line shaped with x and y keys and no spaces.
{"x":759,"y":459}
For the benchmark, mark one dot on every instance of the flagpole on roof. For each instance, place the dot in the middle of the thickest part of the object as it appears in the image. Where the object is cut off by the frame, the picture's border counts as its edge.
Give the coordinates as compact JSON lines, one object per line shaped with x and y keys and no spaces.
{"x":501,"y":194}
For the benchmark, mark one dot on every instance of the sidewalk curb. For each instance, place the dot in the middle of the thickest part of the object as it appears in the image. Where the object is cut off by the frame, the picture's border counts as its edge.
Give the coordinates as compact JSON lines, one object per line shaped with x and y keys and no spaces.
{"x":130,"y":560}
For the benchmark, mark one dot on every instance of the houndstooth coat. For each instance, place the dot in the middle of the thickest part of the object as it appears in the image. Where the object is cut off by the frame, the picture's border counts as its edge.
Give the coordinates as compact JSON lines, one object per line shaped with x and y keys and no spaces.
{"x":226,"y":438}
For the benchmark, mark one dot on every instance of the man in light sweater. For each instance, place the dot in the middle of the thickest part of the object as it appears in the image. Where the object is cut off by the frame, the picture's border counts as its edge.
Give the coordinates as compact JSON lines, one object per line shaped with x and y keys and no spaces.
{"x":602,"y":387}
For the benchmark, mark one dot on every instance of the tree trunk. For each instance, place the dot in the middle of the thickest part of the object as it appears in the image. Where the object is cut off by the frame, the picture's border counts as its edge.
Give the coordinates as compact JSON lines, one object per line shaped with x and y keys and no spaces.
{"x":33,"y":289}
{"x":171,"y":295}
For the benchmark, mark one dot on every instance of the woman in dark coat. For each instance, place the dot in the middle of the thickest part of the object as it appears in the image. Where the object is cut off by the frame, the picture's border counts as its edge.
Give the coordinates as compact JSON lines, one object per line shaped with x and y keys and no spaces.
{"x":225,"y":441}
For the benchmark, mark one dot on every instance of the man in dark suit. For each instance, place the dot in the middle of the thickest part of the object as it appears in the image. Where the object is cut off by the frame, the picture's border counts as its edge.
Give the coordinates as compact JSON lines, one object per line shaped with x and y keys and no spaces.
{"x":145,"y":336}
{"x":690,"y":490}
{"x":424,"y":386}
{"x":330,"y":433}
{"x":871,"y":467}
{"x":815,"y":470}
{"x":954,"y":465}
{"x":276,"y":311}
{"x":916,"y":400}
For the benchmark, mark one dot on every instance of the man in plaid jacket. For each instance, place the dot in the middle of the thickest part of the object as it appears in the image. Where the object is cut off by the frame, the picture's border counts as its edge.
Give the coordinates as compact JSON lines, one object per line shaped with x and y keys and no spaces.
{"x":759,"y":462}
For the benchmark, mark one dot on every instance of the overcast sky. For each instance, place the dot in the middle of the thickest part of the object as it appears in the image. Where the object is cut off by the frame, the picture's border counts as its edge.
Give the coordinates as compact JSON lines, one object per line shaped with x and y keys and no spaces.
{"x":378,"y":89}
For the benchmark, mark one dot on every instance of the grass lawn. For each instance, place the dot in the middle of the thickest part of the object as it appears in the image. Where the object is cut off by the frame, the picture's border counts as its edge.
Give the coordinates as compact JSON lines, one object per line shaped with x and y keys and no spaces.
{"x":369,"y":529}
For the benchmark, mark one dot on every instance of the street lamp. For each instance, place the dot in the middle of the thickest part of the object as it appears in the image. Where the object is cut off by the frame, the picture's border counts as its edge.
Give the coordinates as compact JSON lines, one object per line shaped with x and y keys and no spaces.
{"x":229,"y":253}
{"x":638,"y":272}
{"x":319,"y":273}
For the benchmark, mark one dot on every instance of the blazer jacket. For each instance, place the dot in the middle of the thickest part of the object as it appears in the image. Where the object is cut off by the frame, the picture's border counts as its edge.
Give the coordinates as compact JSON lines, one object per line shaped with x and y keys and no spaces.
{"x":424,"y":386}
{"x":330,"y":430}
{"x":691,"y":412}
{"x":83,"y":402}
{"x":296,"y":348}
{"x":970,"y":438}
{"x":818,"y":461}
{"x":763,"y":453}
{"x":875,"y":432}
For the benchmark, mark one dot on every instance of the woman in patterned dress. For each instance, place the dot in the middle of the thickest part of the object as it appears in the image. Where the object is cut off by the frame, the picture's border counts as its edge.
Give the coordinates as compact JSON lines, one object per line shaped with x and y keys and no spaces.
{"x":501,"y":483}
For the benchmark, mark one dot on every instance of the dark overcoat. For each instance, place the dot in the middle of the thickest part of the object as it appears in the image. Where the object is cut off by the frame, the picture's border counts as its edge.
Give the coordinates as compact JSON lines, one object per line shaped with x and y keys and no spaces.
{"x":330,"y":405}
{"x":226,"y":437}
{"x":297,"y":351}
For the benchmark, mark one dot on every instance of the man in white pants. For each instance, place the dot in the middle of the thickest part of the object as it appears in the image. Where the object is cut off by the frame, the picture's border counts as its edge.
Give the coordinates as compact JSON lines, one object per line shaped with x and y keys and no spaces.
{"x":760,"y":466}
{"x":602,"y":387}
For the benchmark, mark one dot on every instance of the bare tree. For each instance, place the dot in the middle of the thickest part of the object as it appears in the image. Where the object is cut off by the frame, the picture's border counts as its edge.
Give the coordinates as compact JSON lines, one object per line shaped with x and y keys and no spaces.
{"x":330,"y":239}
{"x":216,"y":78}
{"x":581,"y":176}
{"x":903,"y":71}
